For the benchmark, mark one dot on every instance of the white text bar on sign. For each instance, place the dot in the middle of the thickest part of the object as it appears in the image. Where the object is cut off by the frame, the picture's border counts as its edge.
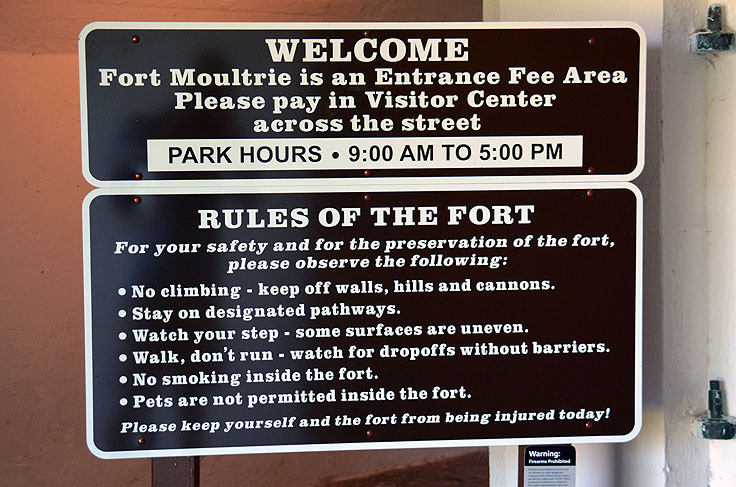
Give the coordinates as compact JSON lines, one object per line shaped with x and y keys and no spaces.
{"x":364,"y":153}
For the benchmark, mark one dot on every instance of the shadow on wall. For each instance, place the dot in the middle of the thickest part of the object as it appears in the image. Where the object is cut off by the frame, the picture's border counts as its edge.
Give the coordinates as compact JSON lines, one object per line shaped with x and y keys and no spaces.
{"x":41,"y":290}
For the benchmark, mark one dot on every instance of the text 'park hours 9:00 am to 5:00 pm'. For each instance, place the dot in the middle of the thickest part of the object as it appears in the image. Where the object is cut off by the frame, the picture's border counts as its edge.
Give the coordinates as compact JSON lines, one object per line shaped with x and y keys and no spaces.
{"x":349,"y":153}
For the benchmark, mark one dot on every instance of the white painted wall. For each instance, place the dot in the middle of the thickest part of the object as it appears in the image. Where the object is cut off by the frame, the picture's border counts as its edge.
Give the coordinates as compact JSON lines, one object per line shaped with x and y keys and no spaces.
{"x":684,"y":253}
{"x":690,"y":245}
{"x":640,"y":462}
{"x":720,"y":180}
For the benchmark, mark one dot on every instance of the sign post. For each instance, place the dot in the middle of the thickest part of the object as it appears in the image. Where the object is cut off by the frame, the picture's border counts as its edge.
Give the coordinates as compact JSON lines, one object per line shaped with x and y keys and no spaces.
{"x":175,"y":472}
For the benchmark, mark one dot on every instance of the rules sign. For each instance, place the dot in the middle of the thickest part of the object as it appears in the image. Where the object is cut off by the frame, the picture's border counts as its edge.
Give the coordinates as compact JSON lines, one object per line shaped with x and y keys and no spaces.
{"x":195,"y":102}
{"x":234,"y":323}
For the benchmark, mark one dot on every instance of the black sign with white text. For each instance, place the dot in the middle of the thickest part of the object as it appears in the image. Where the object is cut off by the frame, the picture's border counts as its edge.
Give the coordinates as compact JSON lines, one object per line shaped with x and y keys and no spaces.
{"x":235,"y":323}
{"x":251,"y":101}
{"x":549,"y":465}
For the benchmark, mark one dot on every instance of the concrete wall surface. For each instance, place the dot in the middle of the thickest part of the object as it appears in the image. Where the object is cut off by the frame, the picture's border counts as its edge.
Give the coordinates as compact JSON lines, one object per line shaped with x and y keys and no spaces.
{"x":41,"y":190}
{"x":690,"y":237}
{"x":641,"y":461}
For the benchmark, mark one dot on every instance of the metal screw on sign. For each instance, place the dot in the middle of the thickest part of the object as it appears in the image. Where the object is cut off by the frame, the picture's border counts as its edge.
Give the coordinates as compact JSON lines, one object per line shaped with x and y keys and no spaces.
{"x":713,"y":38}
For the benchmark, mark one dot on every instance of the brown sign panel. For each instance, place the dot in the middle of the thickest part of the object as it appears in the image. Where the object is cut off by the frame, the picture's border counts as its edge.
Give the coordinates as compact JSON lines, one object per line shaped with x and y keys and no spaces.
{"x":234,"y":323}
{"x":234,"y":102}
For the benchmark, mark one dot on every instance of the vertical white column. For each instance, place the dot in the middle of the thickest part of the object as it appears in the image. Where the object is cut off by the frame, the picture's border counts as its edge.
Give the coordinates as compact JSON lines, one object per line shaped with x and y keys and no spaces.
{"x":720,"y":110}
{"x":684,"y":252}
{"x":640,"y":462}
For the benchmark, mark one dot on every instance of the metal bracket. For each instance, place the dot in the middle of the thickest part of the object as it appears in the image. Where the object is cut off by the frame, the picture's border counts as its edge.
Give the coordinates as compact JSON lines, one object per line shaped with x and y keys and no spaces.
{"x":714,"y":425}
{"x":713,"y":39}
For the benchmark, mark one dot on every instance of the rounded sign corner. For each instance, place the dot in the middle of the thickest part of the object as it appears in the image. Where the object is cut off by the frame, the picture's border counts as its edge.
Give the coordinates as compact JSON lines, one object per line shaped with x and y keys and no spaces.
{"x":88,"y":29}
{"x":99,"y":453}
{"x":90,"y":197}
{"x":636,"y":27}
{"x":636,"y":172}
{"x":633,"y":433}
{"x":87,"y":173}
{"x":639,"y":200}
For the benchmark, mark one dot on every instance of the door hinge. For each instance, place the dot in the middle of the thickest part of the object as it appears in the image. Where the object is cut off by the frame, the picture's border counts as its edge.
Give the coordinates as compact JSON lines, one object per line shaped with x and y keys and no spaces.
{"x":713,"y":38}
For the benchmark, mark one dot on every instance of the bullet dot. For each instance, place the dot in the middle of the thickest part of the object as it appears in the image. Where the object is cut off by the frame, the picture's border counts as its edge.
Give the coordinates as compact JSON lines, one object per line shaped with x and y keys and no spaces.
{"x":123,"y":402}
{"x":122,"y":335}
{"x":121,"y":291}
{"x":123,"y":357}
{"x":123,"y":379}
{"x":122,"y":313}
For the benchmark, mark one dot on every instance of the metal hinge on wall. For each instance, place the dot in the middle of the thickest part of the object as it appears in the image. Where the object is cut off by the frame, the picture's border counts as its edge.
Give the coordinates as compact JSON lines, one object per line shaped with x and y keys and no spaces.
{"x":714,"y":38}
{"x":715,"y":425}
